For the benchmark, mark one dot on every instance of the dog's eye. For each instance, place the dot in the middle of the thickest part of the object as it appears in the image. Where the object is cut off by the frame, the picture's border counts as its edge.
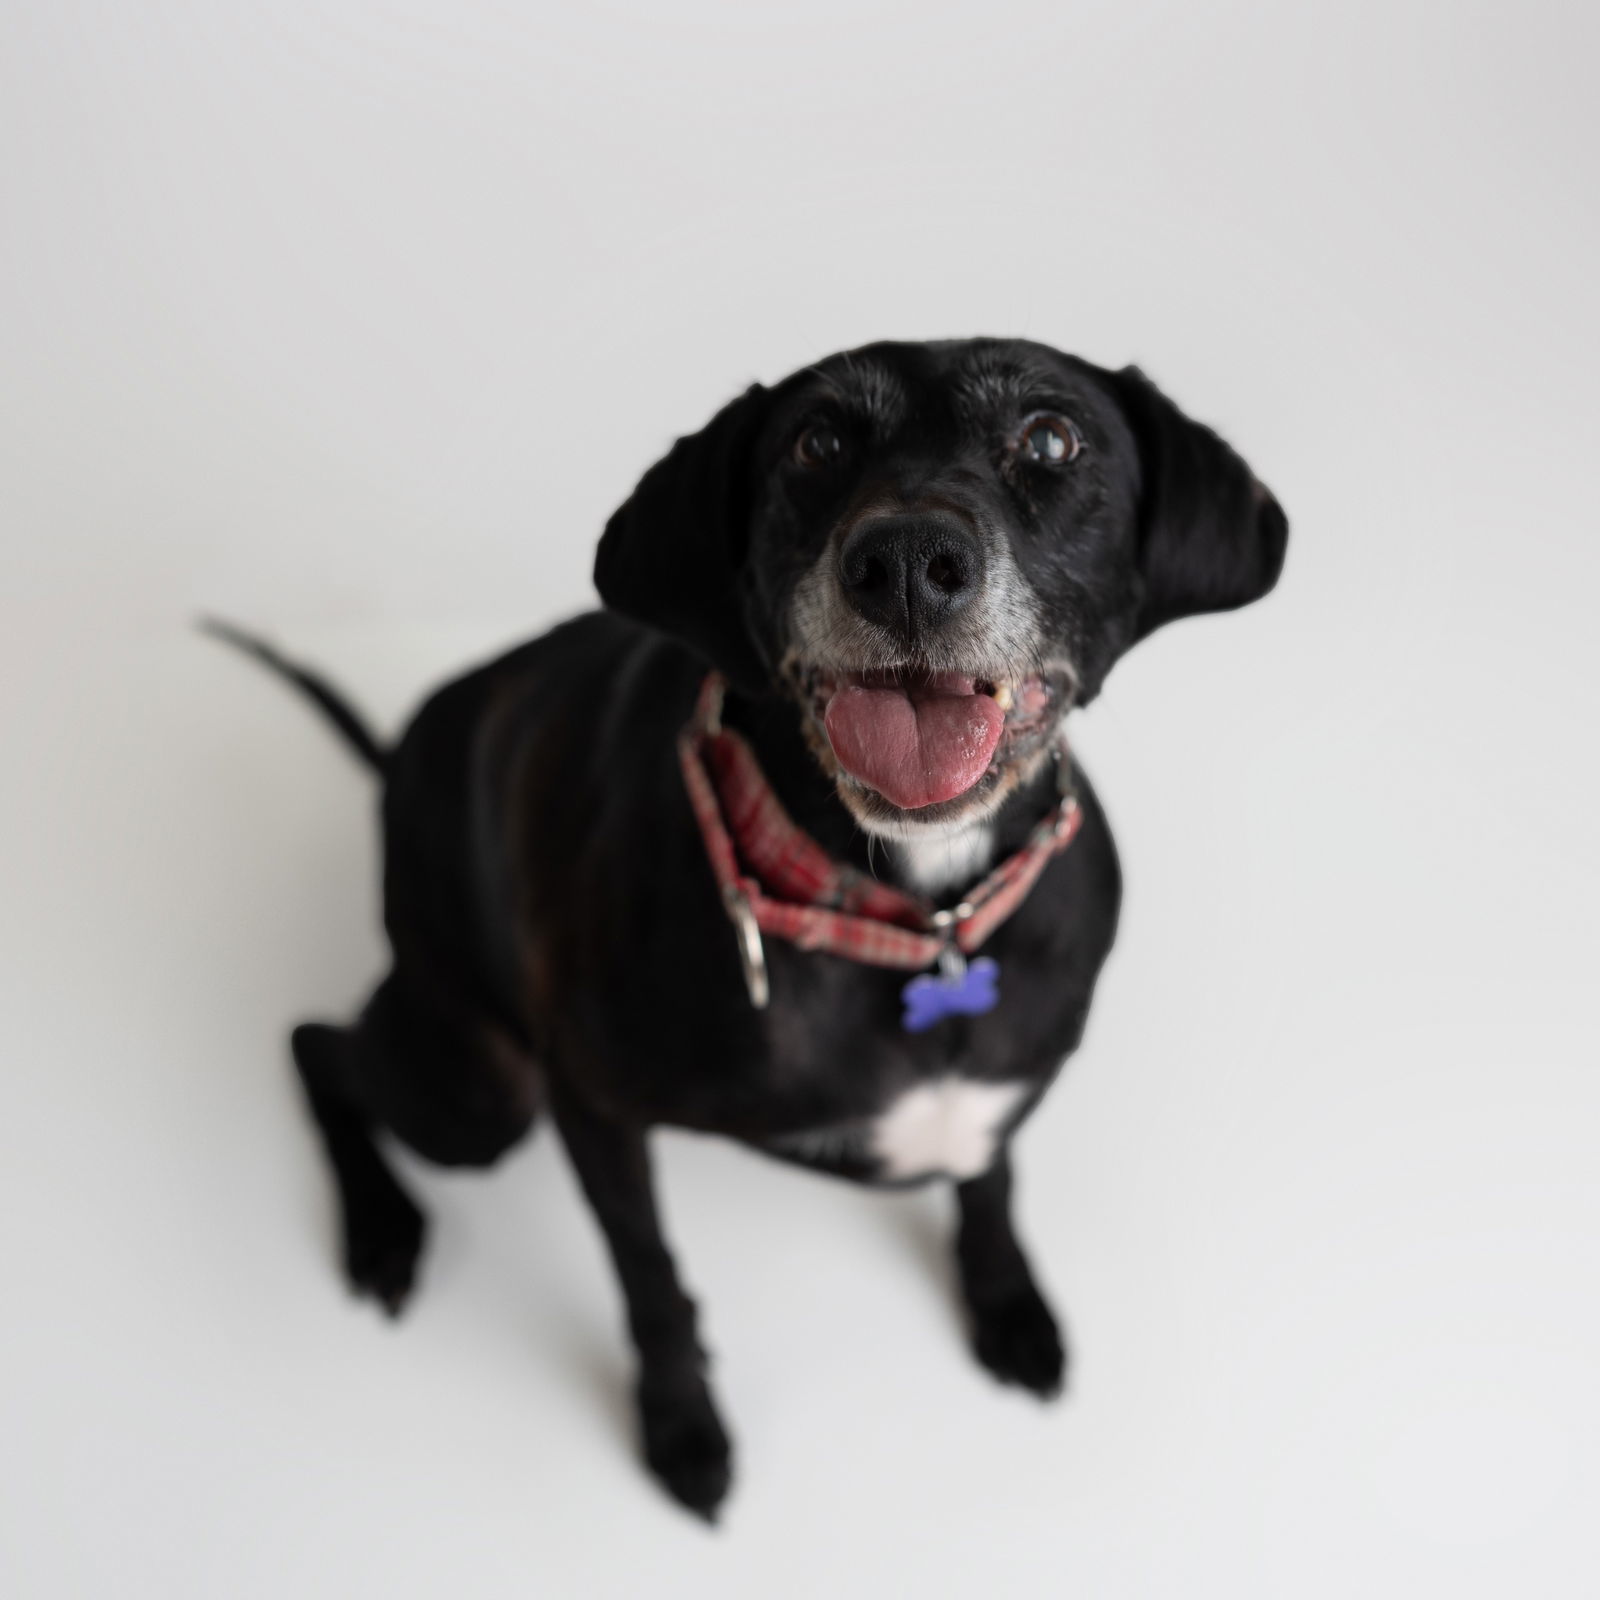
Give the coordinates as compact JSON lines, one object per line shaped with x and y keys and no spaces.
{"x":818,"y":445}
{"x":1049,"y":439}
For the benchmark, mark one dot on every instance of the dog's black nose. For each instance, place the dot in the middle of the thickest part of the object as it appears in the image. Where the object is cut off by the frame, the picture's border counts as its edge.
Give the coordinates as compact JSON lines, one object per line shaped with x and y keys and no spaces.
{"x":909,"y":573}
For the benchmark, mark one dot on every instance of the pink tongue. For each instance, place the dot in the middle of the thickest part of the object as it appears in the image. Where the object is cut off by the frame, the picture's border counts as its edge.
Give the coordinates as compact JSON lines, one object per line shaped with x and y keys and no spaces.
{"x":915,"y":751}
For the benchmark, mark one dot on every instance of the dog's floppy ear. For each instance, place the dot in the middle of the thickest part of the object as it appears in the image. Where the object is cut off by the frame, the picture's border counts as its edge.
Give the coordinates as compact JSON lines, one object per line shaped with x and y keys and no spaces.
{"x":1211,"y":537}
{"x":673,"y":554}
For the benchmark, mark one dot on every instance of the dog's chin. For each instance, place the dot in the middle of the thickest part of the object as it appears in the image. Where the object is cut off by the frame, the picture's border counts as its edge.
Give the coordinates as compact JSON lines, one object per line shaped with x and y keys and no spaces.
{"x":1032,"y":707}
{"x":886,"y":820}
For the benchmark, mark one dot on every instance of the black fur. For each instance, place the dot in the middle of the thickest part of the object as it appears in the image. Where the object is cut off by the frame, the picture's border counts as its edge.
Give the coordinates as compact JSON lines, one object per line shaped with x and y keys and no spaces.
{"x":345,"y":718}
{"x":558,"y":940}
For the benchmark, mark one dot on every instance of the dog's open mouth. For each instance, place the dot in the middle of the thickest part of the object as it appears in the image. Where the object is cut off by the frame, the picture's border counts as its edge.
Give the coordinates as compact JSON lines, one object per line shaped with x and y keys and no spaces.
{"x":920,"y":739}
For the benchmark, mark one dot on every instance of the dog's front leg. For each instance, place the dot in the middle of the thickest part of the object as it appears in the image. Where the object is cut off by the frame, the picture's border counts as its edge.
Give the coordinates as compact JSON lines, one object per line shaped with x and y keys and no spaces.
{"x":684,"y":1440}
{"x":1014,"y":1333}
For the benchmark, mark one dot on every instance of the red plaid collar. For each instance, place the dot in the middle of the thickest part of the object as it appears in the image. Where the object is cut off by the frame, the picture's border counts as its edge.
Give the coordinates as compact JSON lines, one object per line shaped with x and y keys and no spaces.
{"x":776,"y":879}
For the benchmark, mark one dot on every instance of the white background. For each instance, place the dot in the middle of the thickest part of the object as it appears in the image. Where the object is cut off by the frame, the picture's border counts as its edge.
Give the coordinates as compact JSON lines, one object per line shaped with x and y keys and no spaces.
{"x":353,"y":322}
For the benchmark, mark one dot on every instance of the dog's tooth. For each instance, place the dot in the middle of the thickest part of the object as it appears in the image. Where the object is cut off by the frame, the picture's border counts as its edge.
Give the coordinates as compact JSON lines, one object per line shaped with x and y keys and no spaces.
{"x":1005,"y":696}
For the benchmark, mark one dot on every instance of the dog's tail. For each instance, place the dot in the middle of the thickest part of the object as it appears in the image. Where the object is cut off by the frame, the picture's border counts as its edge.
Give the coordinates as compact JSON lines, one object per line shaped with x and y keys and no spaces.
{"x":322,"y":694}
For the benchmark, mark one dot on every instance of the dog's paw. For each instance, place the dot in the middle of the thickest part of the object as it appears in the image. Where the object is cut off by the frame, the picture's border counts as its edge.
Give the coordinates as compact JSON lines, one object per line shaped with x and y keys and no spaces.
{"x":383,"y":1236}
{"x":687,"y":1448}
{"x":1015,"y":1336}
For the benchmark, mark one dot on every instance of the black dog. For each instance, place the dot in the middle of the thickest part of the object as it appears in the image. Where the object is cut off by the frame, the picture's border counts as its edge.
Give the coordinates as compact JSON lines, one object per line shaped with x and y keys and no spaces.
{"x":906,"y":564}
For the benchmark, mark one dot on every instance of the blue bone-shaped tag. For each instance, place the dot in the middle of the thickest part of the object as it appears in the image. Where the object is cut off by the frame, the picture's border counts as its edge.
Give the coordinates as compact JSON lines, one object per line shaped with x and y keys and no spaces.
{"x":932,"y":996}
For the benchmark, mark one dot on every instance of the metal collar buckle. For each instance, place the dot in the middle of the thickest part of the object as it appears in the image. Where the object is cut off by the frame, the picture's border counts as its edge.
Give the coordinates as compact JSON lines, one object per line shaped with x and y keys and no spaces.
{"x":752,"y":954}
{"x":712,"y":710}
{"x":952,"y":963}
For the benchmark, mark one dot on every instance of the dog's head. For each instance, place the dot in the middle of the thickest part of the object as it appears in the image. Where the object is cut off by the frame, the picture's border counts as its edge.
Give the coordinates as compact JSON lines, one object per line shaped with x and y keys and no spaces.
{"x":937,"y":549}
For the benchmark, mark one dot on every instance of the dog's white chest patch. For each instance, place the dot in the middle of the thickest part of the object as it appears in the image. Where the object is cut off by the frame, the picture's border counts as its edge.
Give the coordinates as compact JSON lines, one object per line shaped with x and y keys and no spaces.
{"x":947,"y":1126}
{"x":938,"y":863}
